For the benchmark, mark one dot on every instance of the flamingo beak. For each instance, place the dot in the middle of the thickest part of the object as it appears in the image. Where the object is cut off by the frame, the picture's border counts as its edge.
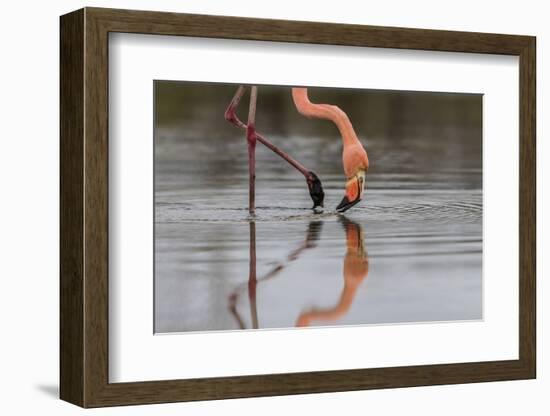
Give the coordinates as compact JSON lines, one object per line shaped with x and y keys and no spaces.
{"x":355,"y":187}
{"x":315,"y":190}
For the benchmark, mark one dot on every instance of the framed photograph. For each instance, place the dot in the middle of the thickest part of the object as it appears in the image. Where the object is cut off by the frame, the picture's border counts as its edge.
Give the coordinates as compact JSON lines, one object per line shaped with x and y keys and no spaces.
{"x":260,"y":207}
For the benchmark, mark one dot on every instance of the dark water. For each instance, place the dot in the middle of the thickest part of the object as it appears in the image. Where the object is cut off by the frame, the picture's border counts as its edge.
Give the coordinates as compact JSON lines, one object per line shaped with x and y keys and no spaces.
{"x":409,"y":252}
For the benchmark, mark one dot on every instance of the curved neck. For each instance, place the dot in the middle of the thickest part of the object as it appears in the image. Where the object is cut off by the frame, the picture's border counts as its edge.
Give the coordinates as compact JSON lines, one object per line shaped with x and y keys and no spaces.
{"x":325,"y":111}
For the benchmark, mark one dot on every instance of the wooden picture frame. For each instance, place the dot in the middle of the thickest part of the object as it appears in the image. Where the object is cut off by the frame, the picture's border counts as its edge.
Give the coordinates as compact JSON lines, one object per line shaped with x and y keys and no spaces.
{"x":84,"y":207}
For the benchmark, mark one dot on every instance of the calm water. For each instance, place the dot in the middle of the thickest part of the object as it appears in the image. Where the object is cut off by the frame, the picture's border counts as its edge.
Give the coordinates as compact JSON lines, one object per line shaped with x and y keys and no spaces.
{"x":411,"y":251}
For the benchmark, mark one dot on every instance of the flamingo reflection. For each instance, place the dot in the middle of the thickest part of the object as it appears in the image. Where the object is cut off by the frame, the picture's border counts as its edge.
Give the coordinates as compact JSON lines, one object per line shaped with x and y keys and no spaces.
{"x":312,"y":235}
{"x":355,"y":270}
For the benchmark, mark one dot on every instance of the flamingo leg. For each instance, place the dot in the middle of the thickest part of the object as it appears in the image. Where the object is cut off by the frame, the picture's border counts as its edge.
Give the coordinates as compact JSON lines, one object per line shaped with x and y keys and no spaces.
{"x":314,"y":184}
{"x":251,"y":140}
{"x":231,"y":116}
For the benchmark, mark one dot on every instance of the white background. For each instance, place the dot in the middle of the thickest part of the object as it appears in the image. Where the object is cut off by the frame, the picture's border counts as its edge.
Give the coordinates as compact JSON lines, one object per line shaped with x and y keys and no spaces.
{"x":136,"y":355}
{"x":29,"y":207}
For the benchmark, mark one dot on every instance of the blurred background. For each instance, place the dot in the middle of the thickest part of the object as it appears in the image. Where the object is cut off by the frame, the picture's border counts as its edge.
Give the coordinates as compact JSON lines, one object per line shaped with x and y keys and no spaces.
{"x":409,"y":252}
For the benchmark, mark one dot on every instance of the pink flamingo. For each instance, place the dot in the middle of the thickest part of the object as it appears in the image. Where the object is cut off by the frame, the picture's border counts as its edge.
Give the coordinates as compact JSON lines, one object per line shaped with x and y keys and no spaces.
{"x":354,"y":156}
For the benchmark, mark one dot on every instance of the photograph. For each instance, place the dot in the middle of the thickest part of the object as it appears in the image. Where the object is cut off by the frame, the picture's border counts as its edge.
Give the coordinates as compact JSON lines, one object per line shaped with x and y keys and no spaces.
{"x":256,"y":204}
{"x":285,"y":207}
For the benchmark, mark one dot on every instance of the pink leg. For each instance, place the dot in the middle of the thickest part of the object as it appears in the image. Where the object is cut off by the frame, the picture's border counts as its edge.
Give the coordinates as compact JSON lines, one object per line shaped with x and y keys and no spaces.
{"x":251,"y":139}
{"x":230,"y":114}
{"x":313,"y":182}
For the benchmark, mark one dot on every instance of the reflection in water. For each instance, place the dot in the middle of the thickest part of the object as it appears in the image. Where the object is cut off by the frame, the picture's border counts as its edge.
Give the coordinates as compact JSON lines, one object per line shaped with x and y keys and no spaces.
{"x":355,"y":270}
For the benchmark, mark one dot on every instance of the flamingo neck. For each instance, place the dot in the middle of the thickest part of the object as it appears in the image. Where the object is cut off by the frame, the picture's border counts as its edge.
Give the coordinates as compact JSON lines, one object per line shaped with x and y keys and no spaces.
{"x":326,"y":112}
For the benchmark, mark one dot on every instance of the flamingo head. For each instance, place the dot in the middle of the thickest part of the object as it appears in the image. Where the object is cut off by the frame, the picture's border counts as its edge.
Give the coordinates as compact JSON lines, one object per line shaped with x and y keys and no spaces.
{"x":315,"y":190}
{"x":355,"y":187}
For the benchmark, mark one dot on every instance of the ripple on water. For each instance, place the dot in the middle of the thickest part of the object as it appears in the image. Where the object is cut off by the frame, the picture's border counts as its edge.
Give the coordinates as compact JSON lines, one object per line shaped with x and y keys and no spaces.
{"x":433,"y":207}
